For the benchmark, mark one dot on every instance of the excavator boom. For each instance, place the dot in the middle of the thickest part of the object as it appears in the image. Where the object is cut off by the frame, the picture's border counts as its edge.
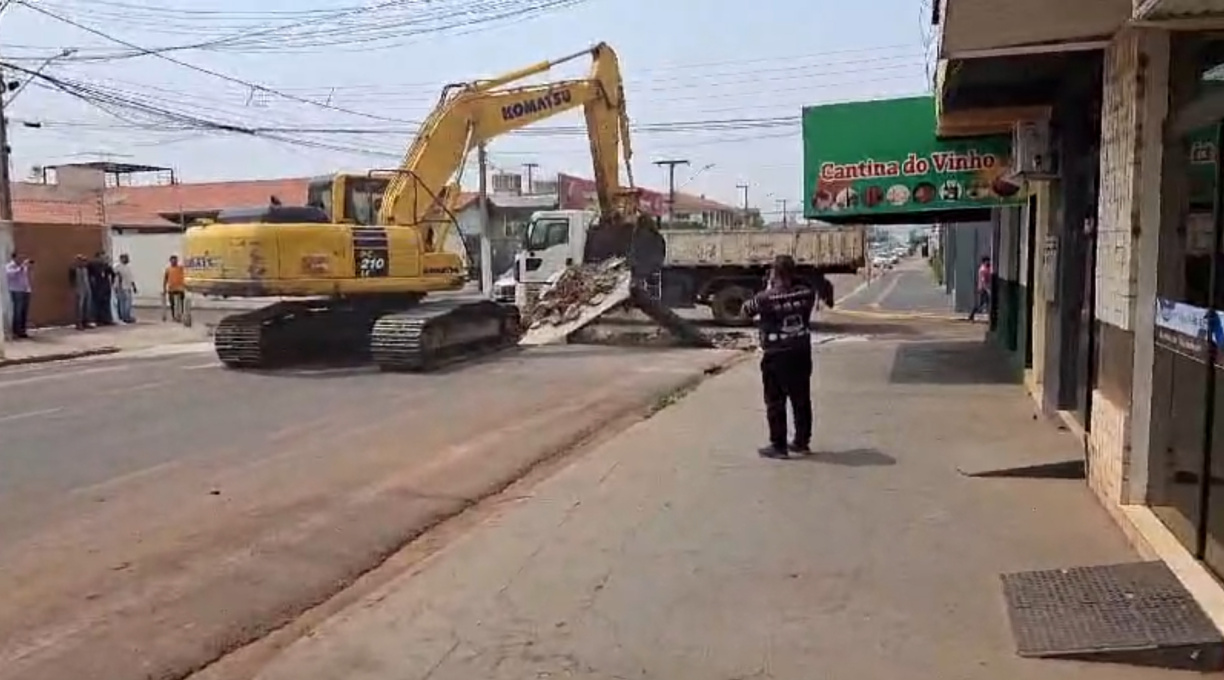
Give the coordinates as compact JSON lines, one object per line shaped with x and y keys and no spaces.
{"x":473,"y":113}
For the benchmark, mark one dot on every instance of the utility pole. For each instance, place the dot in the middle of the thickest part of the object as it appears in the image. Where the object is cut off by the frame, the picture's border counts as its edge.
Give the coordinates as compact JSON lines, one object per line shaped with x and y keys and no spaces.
{"x":6,"y":215}
{"x":785,"y":222}
{"x":744,"y":188}
{"x":530,"y":185}
{"x":486,"y":245}
{"x":671,"y":185}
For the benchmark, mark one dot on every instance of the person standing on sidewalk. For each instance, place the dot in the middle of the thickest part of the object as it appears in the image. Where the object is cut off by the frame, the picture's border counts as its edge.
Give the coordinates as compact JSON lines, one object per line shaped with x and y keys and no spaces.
{"x":17,"y":276}
{"x":125,"y":289}
{"x":982,"y":304}
{"x":174,"y":288}
{"x":784,"y":313}
{"x":101,"y":282}
{"x":78,"y":279}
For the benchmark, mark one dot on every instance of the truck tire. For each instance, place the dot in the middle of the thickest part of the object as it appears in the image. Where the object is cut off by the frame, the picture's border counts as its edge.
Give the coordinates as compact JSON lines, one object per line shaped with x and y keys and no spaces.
{"x":728,"y":306}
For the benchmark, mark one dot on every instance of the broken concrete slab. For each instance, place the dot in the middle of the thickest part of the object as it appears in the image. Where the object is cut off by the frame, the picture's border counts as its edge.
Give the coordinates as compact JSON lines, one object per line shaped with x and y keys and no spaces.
{"x":581,"y":295}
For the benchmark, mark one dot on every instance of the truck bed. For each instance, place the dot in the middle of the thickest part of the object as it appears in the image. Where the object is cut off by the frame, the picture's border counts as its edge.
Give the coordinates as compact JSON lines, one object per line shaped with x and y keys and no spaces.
{"x":814,"y":246}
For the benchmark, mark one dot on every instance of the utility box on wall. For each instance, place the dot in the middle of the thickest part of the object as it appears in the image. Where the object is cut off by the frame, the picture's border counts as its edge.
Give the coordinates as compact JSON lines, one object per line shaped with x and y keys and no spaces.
{"x":1033,"y":156}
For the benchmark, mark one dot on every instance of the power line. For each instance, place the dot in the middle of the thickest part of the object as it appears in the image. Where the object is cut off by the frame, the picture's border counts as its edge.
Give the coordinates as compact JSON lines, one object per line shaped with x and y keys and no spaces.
{"x":341,"y":27}
{"x":243,"y":113}
{"x":109,"y":102}
{"x":256,"y":87}
{"x":412,"y":115}
{"x":201,"y":69}
{"x":99,"y":95}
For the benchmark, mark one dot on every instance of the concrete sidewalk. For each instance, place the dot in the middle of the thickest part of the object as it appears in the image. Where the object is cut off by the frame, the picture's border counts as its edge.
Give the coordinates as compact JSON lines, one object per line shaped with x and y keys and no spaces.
{"x":674,"y":552}
{"x":55,"y":344}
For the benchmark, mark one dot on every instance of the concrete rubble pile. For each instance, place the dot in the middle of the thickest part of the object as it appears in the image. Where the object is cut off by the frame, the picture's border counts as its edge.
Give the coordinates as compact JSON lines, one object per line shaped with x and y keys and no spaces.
{"x":583,"y":295}
{"x":579,"y":289}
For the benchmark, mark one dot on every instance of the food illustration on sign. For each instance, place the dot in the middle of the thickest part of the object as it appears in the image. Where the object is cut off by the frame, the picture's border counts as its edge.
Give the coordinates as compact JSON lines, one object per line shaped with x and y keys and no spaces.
{"x":924,"y":192}
{"x":951,"y":191}
{"x":1004,"y":187}
{"x":825,"y":196}
{"x":846,"y":198}
{"x":898,"y":195}
{"x":873,"y":196}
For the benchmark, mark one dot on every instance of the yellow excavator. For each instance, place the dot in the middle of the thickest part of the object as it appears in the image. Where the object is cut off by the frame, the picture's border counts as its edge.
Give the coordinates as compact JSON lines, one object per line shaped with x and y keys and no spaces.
{"x":353,"y":265}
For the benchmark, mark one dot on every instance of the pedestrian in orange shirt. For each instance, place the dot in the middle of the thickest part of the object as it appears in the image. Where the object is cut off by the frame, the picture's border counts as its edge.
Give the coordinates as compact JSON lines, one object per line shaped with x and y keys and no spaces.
{"x":174,"y":288}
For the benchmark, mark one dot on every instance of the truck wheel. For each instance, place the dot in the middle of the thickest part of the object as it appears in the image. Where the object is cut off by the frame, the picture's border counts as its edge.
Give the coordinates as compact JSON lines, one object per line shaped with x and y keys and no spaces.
{"x":728,"y":306}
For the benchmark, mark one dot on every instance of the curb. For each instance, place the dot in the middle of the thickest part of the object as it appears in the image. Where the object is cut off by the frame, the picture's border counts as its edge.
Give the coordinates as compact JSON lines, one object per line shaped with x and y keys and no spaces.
{"x":58,"y":356}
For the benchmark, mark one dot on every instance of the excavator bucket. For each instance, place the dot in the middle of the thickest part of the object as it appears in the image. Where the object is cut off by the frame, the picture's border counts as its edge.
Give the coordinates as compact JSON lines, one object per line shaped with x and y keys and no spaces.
{"x":637,"y":242}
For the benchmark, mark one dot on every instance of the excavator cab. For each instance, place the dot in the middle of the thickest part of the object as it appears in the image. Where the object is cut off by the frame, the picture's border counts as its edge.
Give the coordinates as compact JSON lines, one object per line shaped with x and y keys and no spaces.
{"x":348,"y":199}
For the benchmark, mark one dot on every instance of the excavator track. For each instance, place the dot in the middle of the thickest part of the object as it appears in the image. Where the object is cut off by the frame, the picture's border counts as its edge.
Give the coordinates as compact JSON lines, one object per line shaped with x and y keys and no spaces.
{"x":298,"y":332}
{"x":437,"y":334}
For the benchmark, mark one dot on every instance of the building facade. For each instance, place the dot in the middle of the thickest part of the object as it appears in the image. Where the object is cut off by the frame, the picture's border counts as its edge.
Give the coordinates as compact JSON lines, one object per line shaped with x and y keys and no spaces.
{"x":1111,"y":261}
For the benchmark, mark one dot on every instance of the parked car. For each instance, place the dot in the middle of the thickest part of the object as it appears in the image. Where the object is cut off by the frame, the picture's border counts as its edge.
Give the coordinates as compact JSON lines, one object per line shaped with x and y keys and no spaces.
{"x":503,"y":287}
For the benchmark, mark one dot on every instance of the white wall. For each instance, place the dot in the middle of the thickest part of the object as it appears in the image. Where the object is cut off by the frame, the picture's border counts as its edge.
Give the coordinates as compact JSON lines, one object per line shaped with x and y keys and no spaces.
{"x":149,"y":253}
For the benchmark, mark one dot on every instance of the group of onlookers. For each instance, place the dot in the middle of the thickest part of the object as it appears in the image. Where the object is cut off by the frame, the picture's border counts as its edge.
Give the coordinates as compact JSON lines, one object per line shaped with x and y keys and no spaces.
{"x":103,"y":291}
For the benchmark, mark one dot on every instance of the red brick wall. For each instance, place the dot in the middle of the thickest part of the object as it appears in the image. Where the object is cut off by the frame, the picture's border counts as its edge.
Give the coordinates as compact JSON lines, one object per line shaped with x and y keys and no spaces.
{"x":52,"y":247}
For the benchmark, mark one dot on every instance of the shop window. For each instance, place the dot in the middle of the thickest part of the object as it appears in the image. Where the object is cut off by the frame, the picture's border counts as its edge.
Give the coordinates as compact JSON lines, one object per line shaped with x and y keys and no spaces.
{"x":1187,"y":464}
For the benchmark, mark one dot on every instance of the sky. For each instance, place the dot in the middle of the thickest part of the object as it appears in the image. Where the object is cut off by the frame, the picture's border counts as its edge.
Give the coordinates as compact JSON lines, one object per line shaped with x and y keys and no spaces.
{"x":345,"y":82}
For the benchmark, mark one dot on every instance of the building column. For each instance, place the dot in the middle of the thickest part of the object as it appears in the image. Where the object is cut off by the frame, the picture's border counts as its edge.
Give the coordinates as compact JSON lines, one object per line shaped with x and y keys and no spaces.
{"x":1128,"y":231}
{"x":1043,"y":267}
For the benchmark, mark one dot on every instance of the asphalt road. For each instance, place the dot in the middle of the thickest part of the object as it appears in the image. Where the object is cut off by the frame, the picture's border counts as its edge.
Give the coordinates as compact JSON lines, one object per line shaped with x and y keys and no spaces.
{"x":907,"y":288}
{"x":157,"y":511}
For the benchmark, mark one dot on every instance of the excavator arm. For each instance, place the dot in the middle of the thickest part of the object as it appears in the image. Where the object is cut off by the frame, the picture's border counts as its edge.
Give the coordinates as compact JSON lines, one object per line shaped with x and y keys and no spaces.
{"x":469,"y":114}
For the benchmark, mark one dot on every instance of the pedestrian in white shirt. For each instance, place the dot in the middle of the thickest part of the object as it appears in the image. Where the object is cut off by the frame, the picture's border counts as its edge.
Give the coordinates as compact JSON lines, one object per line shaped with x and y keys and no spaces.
{"x":17,"y":277}
{"x":125,"y":289}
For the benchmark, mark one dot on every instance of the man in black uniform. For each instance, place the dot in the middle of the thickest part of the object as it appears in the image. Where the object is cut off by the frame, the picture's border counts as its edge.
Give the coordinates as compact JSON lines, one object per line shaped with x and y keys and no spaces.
{"x":784,"y":312}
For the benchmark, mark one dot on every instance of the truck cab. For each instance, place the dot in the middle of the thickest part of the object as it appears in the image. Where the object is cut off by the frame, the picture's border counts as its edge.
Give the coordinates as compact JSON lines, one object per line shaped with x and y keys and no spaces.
{"x":555,"y":240}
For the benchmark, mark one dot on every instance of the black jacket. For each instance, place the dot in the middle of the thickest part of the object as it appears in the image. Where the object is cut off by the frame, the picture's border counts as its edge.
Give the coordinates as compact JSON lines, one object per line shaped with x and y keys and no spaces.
{"x":783,"y":317}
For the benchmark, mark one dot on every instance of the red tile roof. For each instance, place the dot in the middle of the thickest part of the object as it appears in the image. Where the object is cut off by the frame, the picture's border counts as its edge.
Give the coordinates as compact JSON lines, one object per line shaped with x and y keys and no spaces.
{"x":691,"y":203}
{"x":143,"y":206}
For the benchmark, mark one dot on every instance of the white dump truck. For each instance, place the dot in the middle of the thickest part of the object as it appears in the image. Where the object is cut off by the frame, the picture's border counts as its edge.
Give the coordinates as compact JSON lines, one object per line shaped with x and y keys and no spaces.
{"x":715,"y":268}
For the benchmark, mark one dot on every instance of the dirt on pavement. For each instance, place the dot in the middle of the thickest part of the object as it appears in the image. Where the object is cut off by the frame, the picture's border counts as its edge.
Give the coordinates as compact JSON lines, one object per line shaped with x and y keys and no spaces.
{"x":157,"y":574}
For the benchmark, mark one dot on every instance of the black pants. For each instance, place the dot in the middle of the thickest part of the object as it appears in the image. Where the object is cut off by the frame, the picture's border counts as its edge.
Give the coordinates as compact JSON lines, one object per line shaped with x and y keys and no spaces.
{"x":21,"y":313}
{"x":983,"y":304}
{"x":787,"y":376}
{"x":100,"y":296}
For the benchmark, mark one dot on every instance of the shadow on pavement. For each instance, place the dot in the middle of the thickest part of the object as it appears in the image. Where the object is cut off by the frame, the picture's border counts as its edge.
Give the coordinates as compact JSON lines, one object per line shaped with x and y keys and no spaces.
{"x":969,"y":362}
{"x":852,"y":458}
{"x":897,"y":329}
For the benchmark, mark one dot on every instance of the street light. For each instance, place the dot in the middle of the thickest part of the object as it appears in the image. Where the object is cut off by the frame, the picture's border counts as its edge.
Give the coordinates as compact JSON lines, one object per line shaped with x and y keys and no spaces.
{"x":697,"y":174}
{"x":64,"y":54}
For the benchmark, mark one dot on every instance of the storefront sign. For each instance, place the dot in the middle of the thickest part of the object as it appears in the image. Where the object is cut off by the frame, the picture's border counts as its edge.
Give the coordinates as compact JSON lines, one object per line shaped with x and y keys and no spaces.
{"x":882,"y":157}
{"x":1184,"y":328}
{"x":1201,"y":148}
{"x":576,"y":193}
